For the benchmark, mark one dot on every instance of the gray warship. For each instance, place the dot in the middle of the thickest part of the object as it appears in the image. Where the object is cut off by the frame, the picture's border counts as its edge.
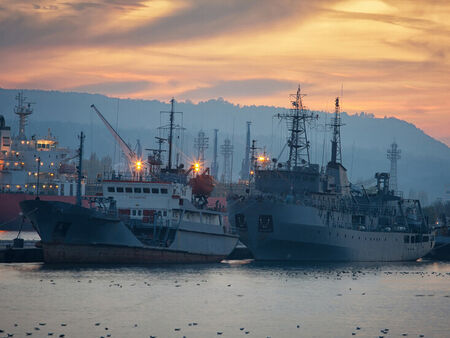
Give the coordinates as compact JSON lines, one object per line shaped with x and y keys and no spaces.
{"x":150,"y":215}
{"x":297,"y":211}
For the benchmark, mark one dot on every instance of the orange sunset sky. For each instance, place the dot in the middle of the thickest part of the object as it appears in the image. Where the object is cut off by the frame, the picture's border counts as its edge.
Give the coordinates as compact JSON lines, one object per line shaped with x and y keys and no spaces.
{"x":392,"y":57}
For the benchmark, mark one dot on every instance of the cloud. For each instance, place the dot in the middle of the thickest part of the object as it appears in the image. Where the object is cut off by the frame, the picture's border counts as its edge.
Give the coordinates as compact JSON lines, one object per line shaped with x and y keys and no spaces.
{"x":84,"y":23}
{"x":240,"y":88}
{"x":81,"y":6}
{"x":123,"y":87}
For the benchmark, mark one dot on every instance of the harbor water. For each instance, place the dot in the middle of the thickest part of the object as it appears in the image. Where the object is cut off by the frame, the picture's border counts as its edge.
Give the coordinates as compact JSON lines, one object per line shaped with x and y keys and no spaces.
{"x":229,"y":299}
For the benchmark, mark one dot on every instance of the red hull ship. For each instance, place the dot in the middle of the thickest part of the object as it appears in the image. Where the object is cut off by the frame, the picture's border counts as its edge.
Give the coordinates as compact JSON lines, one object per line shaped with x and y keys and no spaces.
{"x":32,"y":166}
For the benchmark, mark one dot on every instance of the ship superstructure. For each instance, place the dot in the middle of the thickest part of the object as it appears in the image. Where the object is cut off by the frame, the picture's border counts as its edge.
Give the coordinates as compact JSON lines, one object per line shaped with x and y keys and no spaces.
{"x":295,"y":211}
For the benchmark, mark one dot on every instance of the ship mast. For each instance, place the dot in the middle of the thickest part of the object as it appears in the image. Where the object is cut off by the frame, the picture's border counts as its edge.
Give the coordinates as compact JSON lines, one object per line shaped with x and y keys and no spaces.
{"x":80,"y":168}
{"x":393,"y":154}
{"x":336,"y":149}
{"x":23,"y":111}
{"x":245,"y":169}
{"x":171,"y":128}
{"x":298,"y":143}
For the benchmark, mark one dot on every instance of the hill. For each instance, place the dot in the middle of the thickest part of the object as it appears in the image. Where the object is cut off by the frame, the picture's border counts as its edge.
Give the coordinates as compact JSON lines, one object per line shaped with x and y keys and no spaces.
{"x":424,"y":168}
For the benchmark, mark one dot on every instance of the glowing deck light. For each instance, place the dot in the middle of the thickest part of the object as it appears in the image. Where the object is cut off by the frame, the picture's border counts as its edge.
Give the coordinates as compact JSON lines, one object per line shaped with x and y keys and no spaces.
{"x":252,"y":172}
{"x":196,"y":167}
{"x":138,"y":165}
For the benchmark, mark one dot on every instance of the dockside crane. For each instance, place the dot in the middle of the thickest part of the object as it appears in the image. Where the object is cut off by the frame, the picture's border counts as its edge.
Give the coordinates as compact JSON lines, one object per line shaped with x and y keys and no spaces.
{"x":135,"y":163}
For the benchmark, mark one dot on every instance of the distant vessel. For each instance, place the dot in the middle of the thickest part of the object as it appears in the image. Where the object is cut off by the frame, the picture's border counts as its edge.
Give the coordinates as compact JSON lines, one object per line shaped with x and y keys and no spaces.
{"x":30,"y":166}
{"x":150,"y":215}
{"x":441,"y":249}
{"x":295,"y":211}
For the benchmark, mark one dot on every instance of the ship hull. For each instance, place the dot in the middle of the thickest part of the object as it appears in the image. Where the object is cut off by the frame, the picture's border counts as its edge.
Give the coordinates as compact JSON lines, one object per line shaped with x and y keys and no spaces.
{"x":11,"y":215}
{"x":73,"y":234}
{"x":299,"y":234}
{"x":107,"y":254}
{"x":441,"y":251}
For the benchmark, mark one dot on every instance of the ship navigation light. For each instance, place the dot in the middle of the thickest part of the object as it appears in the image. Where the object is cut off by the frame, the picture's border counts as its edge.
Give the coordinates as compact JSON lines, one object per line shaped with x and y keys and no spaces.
{"x":138,"y":165}
{"x":196,"y":167}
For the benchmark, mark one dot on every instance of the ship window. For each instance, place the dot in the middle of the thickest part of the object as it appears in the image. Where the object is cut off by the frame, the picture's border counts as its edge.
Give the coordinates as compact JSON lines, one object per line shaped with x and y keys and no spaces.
{"x":110,"y":189}
{"x":192,"y":216}
{"x":155,"y":191}
{"x":139,"y":212}
{"x":133,"y":212}
{"x":164,"y":191}
{"x":412,"y":239}
{"x":146,"y":190}
{"x":127,"y":189}
{"x":241,"y":223}
{"x":119,"y":189}
{"x":164,"y":213}
{"x":425,"y":239}
{"x":265,"y":223}
{"x":137,"y":190}
{"x":176,"y":215}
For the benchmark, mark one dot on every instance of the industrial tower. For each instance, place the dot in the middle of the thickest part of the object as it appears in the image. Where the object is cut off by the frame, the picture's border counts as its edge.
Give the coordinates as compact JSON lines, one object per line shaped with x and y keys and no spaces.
{"x":201,"y":143}
{"x":215,"y":164}
{"x":245,"y":169}
{"x":298,"y":143}
{"x":226,"y":150}
{"x":393,"y":154}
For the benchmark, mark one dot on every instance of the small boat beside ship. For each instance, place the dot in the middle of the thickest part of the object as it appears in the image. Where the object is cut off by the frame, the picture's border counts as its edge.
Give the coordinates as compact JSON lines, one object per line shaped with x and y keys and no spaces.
{"x":151,"y":214}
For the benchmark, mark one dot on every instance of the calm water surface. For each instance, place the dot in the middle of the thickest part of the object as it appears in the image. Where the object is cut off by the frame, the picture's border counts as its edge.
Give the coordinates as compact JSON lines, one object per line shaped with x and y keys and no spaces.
{"x":324,"y":300}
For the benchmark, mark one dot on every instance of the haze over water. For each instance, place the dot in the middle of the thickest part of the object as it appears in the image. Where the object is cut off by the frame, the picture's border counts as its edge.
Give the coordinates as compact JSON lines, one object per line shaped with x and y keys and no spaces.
{"x":232,"y":298}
